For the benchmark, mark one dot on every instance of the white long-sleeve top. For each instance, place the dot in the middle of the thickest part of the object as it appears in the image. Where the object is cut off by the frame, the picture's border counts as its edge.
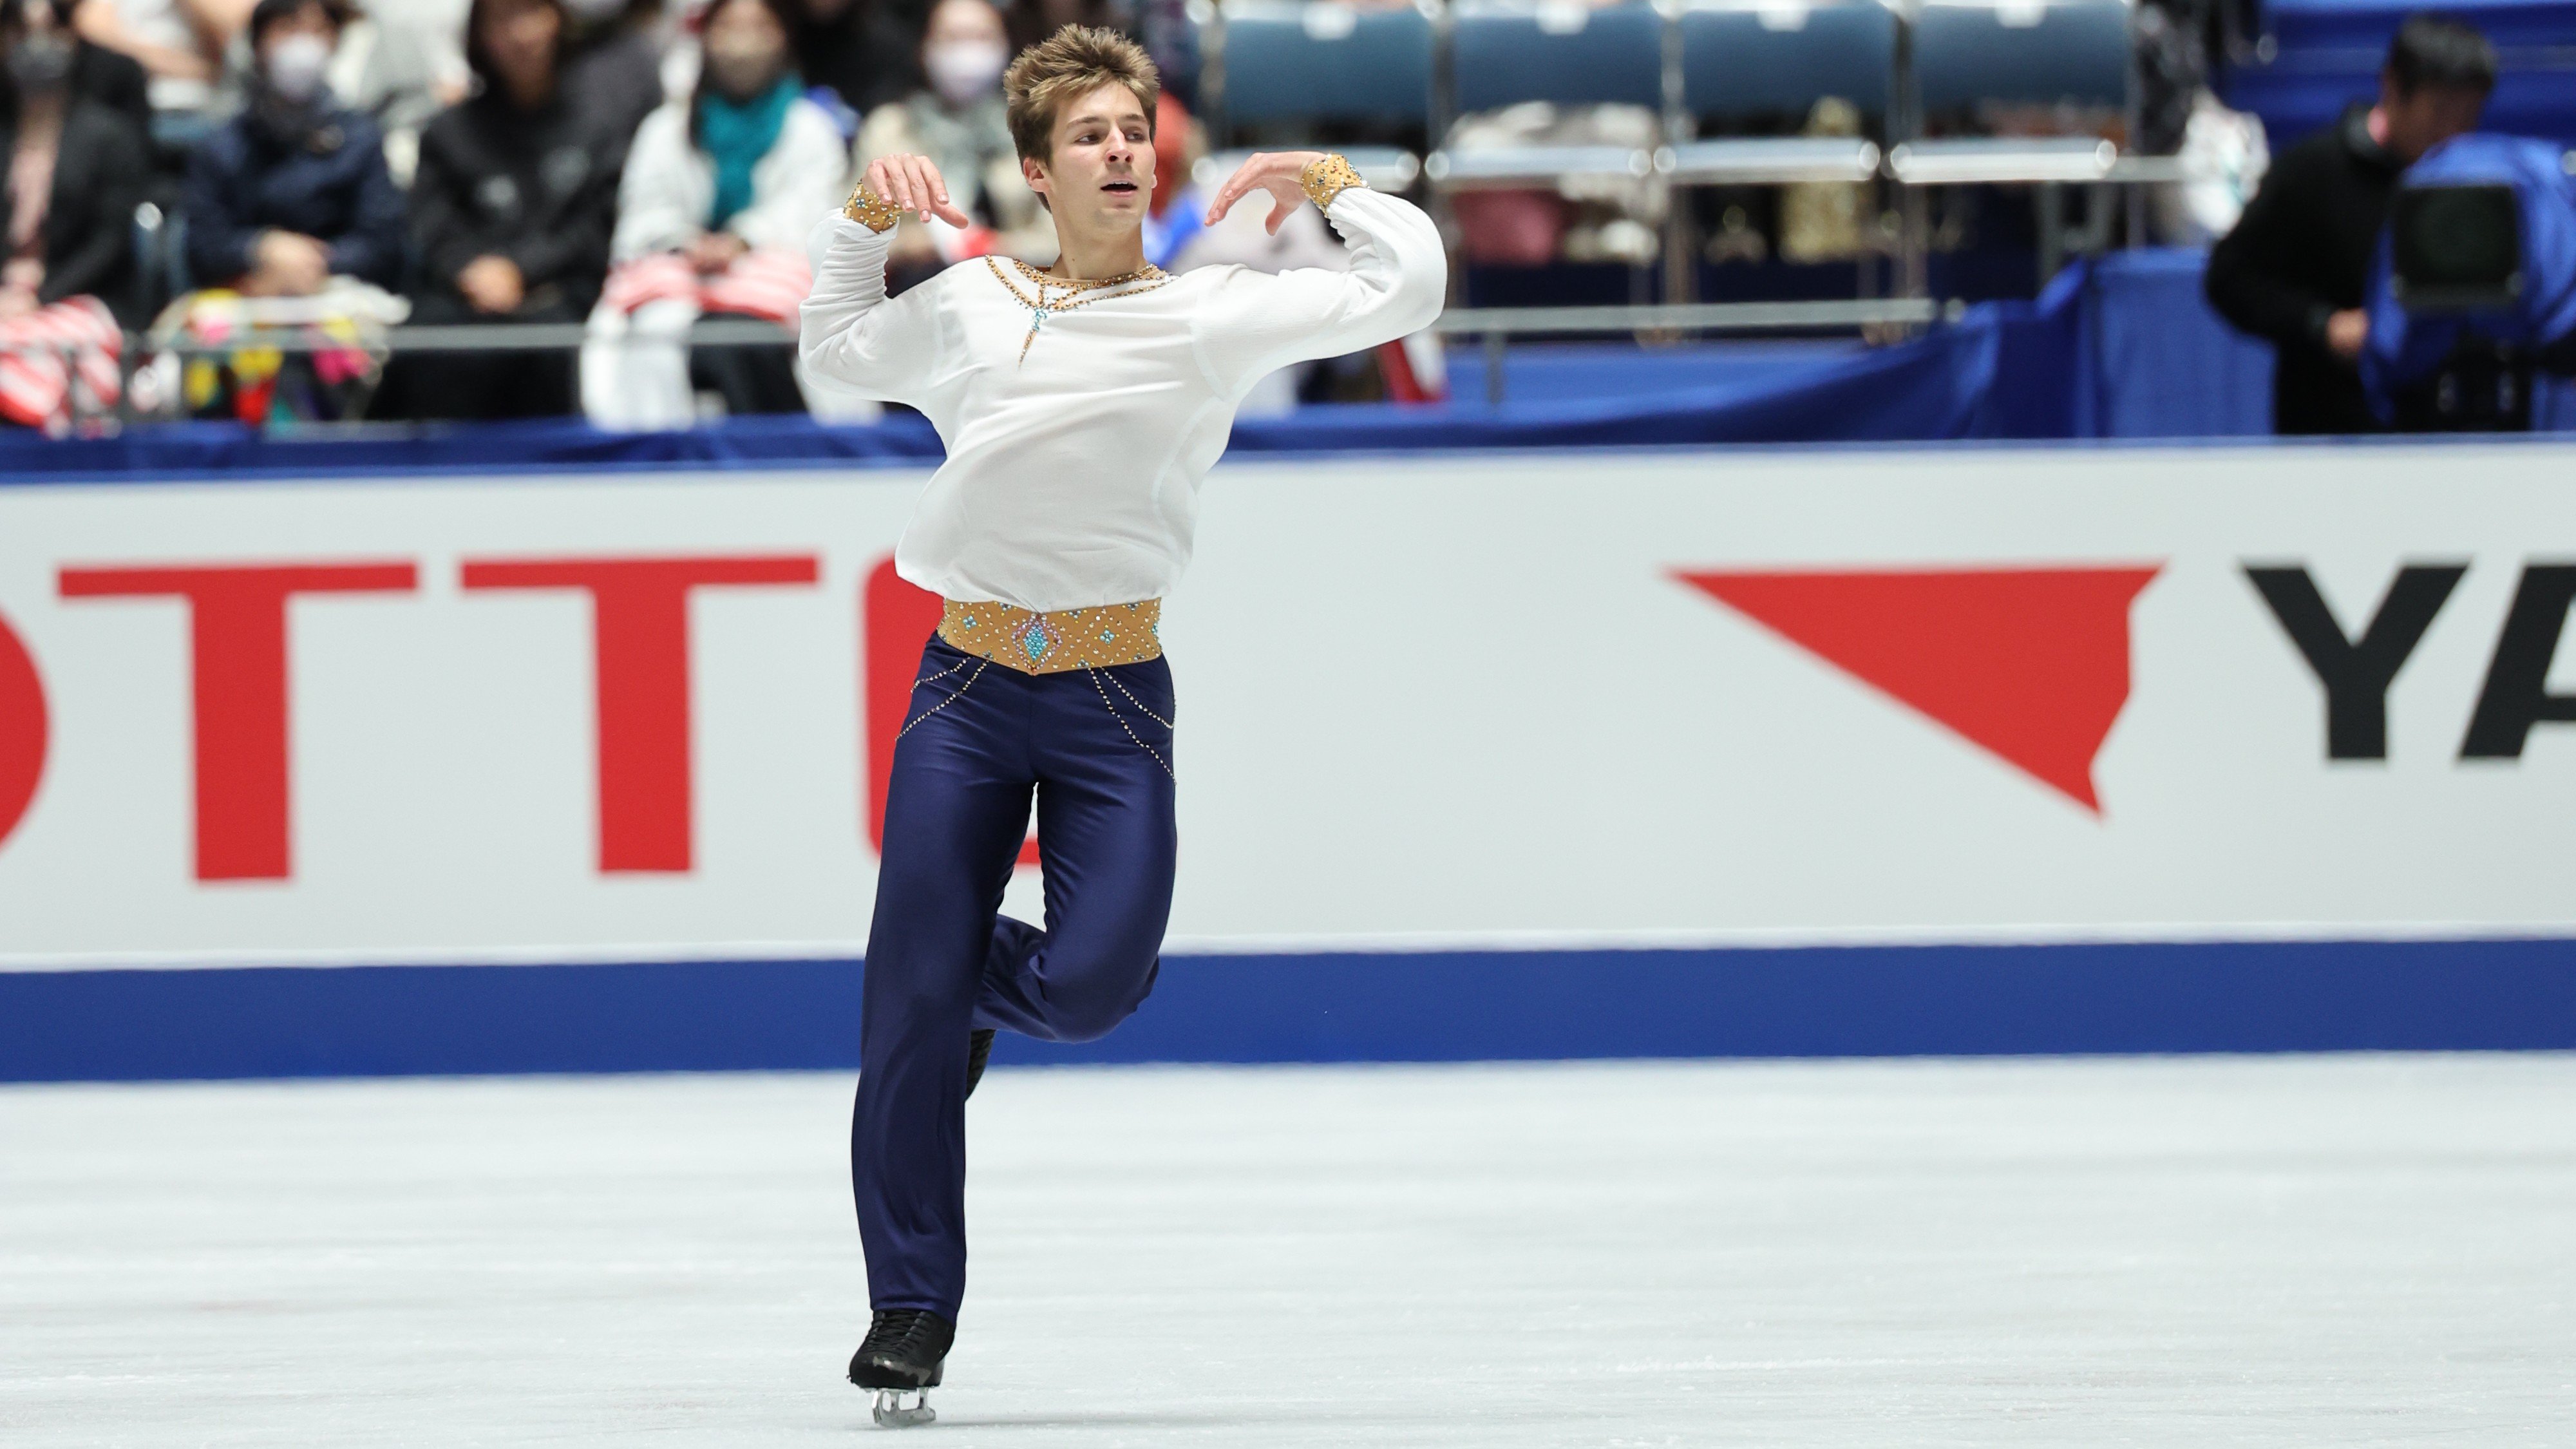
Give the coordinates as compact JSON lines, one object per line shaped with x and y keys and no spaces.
{"x":670,"y":185}
{"x":1073,"y":472}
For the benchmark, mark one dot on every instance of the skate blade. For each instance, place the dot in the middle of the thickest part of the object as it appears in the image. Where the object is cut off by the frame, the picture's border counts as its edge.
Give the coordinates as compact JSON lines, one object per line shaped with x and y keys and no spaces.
{"x":892,"y":1412}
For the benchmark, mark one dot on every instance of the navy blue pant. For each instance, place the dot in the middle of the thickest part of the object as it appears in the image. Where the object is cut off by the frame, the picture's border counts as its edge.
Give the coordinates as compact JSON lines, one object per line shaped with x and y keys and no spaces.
{"x":1096,"y":747}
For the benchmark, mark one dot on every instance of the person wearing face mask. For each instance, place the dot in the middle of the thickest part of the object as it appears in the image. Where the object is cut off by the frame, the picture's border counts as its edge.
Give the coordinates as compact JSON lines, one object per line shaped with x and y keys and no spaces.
{"x":293,"y":191}
{"x":76,"y":171}
{"x":98,"y":75}
{"x":960,"y":122}
{"x":718,"y":194}
{"x":512,"y":208}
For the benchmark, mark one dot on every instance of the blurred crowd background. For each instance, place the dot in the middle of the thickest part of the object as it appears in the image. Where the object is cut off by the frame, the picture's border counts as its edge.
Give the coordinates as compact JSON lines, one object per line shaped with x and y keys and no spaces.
{"x":193,"y":180}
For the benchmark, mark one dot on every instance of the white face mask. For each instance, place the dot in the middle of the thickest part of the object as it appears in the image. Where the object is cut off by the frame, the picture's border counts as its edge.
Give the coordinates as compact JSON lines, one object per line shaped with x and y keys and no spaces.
{"x":965,"y":71}
{"x":295,"y":66}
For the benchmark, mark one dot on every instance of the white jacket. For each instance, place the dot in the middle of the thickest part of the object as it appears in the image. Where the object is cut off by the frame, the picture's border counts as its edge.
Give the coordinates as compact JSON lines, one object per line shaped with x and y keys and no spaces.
{"x":670,"y":184}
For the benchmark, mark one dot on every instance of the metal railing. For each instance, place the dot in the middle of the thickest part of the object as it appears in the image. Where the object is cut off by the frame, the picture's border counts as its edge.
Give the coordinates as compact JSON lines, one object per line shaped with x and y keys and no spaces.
{"x":489,"y":337}
{"x":1493,"y":327}
{"x":140,"y":349}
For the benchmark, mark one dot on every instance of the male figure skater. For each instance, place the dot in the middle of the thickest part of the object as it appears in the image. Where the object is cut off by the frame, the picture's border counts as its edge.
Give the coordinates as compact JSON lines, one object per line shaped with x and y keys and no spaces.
{"x":1081,"y":406}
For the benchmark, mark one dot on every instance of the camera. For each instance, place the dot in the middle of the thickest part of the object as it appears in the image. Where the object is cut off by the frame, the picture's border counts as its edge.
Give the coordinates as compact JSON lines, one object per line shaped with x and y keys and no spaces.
{"x":2455,"y":248}
{"x":2475,"y":293}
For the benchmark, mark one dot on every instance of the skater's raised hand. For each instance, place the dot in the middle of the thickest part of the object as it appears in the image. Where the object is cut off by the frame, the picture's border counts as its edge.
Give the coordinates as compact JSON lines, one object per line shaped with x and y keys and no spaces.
{"x":912,"y":183}
{"x":1281,"y":173}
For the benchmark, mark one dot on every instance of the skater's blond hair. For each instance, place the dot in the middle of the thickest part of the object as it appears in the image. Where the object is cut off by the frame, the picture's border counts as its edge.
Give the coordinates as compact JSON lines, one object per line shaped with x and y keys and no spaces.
{"x":1067,"y":65}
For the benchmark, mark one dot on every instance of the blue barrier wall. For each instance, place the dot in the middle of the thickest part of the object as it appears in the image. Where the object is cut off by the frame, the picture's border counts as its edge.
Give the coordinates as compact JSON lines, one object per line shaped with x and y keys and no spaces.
{"x":1442,"y":1006}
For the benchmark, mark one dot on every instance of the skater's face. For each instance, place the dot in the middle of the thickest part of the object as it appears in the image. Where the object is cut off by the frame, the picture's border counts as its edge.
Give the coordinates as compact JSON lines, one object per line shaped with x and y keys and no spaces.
{"x":1100,"y":174}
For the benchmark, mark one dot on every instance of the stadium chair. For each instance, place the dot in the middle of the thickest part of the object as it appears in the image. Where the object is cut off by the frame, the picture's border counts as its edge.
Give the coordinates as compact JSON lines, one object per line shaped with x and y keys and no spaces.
{"x":1266,"y":61}
{"x":1565,"y":54}
{"x":2027,"y":52}
{"x":1747,"y":60}
{"x":2044,"y":53}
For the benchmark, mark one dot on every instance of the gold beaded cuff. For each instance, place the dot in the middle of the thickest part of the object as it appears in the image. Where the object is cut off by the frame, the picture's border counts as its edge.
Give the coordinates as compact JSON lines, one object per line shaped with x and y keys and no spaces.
{"x":1054,"y":642}
{"x":1326,"y":177}
{"x":870,"y":210}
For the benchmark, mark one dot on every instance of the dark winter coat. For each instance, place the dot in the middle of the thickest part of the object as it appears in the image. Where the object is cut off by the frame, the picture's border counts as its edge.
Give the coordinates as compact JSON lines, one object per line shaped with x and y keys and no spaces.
{"x":540,"y":189}
{"x":321,"y":174}
{"x":100,"y":175}
{"x":2302,"y":253}
{"x":113,"y":79}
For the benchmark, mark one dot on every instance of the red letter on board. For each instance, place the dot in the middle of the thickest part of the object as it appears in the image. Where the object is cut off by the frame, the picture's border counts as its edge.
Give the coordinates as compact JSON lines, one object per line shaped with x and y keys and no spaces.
{"x":22,"y":730}
{"x":237,"y":635}
{"x":640,"y":628}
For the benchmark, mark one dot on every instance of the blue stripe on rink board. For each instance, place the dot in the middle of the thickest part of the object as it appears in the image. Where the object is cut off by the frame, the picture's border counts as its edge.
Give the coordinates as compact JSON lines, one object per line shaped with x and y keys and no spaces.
{"x":127,"y":1025}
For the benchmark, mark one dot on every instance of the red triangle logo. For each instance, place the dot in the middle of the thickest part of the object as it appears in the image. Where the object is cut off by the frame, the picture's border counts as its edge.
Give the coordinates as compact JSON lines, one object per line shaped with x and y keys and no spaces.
{"x":2032,"y":664}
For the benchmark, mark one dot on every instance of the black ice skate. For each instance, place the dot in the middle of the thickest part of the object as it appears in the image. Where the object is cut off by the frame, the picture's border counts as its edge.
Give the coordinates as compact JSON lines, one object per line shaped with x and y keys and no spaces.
{"x":979,"y":1050}
{"x":901,"y":1360}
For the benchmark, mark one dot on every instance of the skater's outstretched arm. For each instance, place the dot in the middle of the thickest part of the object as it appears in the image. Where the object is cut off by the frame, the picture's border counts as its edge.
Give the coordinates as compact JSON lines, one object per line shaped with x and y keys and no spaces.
{"x":850,"y":332}
{"x":1398,"y":277}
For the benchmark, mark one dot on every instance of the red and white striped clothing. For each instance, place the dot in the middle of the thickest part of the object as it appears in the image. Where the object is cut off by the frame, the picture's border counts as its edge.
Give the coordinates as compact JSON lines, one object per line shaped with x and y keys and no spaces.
{"x":635,"y":362}
{"x":59,"y":360}
{"x":768,"y":284}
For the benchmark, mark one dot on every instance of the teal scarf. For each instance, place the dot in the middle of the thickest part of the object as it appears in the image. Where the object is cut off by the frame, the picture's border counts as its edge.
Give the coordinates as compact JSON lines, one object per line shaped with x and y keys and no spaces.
{"x":737,"y":135}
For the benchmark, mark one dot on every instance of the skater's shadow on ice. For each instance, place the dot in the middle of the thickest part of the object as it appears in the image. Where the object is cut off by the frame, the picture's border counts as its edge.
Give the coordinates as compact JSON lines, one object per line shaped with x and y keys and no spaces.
{"x":1092,"y":1421}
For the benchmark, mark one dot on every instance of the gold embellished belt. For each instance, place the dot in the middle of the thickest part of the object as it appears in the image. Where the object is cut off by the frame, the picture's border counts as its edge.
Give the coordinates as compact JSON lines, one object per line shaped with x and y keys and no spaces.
{"x":1053,"y":642}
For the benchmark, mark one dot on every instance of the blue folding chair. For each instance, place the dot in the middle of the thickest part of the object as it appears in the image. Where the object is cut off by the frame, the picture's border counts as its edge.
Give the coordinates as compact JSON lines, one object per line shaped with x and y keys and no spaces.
{"x":1567,"y":54}
{"x":1287,"y":62}
{"x":1740,"y":62}
{"x":2072,"y":51}
{"x":1968,"y":53}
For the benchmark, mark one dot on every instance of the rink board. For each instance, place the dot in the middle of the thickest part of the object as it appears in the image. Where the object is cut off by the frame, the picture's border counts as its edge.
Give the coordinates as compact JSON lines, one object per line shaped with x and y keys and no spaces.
{"x":1541,"y":755}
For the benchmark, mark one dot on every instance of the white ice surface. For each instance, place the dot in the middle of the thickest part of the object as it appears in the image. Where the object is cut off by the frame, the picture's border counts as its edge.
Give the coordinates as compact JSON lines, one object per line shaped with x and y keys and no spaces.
{"x":2319,"y":1251}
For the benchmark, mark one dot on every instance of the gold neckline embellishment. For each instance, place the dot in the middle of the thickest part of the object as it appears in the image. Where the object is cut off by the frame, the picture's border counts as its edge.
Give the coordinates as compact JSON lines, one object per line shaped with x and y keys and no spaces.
{"x":1076,"y":293}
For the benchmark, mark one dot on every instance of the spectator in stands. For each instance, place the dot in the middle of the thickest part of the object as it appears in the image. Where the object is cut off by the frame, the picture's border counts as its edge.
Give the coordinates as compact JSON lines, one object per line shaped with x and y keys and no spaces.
{"x":77,"y":169}
{"x":511,"y":214}
{"x":719,"y":194}
{"x":180,"y":45}
{"x":2296,"y":267}
{"x":859,"y":50}
{"x":293,"y":191}
{"x":98,"y":75}
{"x":961,"y":124}
{"x":614,"y":61}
